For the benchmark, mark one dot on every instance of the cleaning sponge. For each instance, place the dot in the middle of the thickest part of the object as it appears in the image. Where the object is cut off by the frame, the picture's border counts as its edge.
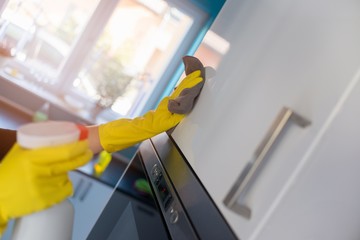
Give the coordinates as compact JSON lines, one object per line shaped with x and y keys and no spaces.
{"x":184,"y":103}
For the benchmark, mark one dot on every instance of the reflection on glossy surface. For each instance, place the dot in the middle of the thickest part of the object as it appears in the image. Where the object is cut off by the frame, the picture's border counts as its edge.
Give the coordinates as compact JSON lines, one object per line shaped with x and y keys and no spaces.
{"x":131,"y":212}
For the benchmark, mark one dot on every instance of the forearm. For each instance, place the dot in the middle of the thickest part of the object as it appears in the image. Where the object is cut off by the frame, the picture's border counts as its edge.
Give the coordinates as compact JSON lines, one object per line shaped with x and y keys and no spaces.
{"x":94,"y":139}
{"x":122,"y":133}
{"x":117,"y":135}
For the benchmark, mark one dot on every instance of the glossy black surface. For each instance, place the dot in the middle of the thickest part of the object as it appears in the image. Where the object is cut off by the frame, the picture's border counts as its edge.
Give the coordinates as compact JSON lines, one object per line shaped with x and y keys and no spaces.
{"x":131,"y":212}
{"x":206,"y":218}
{"x":181,"y":209}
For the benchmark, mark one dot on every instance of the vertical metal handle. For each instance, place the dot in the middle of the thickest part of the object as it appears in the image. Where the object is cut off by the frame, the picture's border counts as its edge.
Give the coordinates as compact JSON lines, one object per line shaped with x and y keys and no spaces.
{"x":249,"y":173}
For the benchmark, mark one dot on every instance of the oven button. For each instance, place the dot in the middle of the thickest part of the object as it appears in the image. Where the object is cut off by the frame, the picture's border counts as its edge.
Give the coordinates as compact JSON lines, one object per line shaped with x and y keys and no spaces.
{"x":155,"y":170}
{"x":174,"y":216}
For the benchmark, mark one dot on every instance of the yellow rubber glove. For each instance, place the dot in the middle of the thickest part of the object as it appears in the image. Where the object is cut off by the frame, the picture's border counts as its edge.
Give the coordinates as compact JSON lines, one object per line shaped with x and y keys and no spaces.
{"x":33,"y":180}
{"x":123,"y":133}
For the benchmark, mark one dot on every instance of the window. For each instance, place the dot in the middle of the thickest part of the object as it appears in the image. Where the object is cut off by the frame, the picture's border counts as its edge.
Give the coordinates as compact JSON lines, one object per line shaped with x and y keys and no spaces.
{"x":41,"y":33}
{"x":131,"y":54}
{"x":97,"y":54}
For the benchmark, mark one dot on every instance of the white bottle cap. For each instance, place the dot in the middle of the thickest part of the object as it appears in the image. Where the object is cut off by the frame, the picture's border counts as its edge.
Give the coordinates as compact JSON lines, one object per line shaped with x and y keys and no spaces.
{"x":45,"y":134}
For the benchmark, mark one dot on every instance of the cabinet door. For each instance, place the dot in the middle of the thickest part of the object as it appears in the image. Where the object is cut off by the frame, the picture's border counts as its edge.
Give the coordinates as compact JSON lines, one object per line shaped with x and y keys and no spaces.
{"x":300,"y":54}
{"x":89,"y":199}
{"x":321,"y":200}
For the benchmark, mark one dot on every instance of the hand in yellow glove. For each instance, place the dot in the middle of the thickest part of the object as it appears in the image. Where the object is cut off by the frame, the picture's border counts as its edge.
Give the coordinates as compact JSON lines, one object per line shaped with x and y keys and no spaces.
{"x":123,"y":133}
{"x":32,"y":180}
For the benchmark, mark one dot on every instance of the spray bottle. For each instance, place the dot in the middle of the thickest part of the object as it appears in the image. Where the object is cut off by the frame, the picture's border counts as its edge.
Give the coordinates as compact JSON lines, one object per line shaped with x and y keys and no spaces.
{"x":55,"y":223}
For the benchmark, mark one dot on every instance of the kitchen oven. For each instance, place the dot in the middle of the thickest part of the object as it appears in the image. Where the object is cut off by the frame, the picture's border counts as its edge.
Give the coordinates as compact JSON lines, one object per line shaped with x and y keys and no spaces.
{"x":160,"y":197}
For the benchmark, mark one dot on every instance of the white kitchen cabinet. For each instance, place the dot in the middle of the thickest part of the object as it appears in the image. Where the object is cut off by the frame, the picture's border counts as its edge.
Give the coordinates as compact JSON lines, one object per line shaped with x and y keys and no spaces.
{"x":321,"y":199}
{"x":89,"y":199}
{"x":303,"y":55}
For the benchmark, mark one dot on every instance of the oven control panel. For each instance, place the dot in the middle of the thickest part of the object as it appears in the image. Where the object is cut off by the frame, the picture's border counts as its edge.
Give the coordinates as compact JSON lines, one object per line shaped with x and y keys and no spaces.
{"x":177,"y":222}
{"x":161,"y":186}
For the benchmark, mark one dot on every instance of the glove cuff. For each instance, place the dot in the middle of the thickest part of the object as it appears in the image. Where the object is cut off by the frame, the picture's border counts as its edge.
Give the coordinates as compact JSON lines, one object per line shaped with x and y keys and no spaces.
{"x":123,"y":133}
{"x":120,"y":134}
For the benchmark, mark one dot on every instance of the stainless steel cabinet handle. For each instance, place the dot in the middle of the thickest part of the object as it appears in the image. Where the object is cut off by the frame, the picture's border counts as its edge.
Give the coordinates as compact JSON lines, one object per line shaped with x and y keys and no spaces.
{"x":248,"y":175}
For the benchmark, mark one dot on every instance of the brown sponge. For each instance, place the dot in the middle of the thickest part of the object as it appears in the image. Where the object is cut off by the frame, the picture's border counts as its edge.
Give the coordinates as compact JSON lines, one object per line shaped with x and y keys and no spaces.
{"x":184,"y":103}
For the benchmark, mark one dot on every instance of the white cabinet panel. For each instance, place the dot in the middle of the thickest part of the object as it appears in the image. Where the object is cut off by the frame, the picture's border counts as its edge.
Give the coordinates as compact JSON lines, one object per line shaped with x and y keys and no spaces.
{"x":89,"y":199}
{"x":322,"y":199}
{"x":298,"y":54}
